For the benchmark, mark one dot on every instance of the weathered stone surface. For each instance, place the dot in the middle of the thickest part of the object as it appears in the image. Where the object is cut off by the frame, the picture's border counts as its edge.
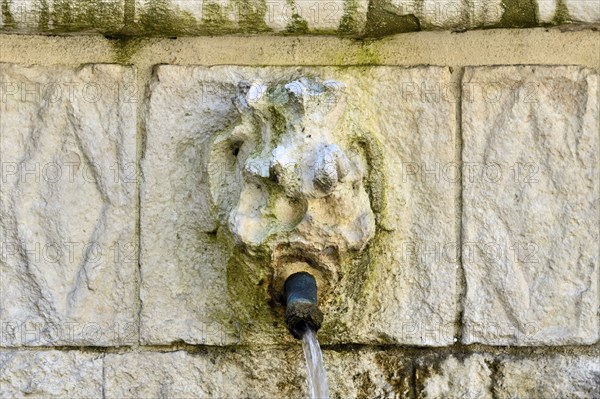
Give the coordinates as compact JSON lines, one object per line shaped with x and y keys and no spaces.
{"x":206,"y":281}
{"x":50,"y":374}
{"x":62,"y":16}
{"x":453,"y":378}
{"x":530,"y":220}
{"x":549,"y":377}
{"x":294,"y":16}
{"x":447,"y":14}
{"x":67,"y":211}
{"x":342,"y":17}
{"x":254,"y":374}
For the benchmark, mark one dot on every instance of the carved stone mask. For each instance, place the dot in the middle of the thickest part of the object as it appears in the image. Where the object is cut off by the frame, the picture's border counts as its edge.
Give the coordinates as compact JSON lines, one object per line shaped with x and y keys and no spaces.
{"x":299,"y":177}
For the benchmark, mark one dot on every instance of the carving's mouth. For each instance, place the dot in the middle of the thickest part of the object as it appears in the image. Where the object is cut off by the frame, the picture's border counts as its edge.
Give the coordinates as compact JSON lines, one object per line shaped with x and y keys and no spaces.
{"x":290,"y":258}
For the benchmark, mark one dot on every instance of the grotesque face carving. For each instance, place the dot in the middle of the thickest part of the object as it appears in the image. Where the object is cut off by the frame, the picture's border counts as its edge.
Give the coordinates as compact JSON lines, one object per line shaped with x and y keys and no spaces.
{"x":294,"y":182}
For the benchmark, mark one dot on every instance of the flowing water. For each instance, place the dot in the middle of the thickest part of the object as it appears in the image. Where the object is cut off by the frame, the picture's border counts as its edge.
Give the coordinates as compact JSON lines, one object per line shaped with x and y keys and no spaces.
{"x":317,"y":379}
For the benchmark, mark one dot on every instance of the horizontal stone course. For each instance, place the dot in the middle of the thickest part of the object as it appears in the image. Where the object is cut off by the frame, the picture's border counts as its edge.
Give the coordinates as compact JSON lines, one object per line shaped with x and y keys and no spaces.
{"x":274,"y":373}
{"x":338,"y":17}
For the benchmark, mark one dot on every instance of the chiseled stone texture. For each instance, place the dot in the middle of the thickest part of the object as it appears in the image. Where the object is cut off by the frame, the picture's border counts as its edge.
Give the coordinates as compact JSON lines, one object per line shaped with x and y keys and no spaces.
{"x":62,"y":16}
{"x":67,"y":211}
{"x":447,"y":14}
{"x":559,"y":376}
{"x":298,"y":16}
{"x":454,"y":378}
{"x":195,"y":287}
{"x":530,"y":220}
{"x":252,"y":374}
{"x":50,"y":374}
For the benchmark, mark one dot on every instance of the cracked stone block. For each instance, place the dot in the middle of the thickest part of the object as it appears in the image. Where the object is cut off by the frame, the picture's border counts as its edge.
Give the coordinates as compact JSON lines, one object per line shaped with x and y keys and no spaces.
{"x":201,"y":286}
{"x":557,"y":376}
{"x":468,"y":377}
{"x":50,"y":374}
{"x":298,"y":16}
{"x":62,"y":16}
{"x":530,"y":220}
{"x":67,"y":212}
{"x":210,"y":374}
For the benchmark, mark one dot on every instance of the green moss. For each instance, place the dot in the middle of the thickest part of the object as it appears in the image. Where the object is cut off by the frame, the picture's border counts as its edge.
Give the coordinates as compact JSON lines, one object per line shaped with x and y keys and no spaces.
{"x":124,"y":48}
{"x":251,"y":15}
{"x":67,"y":16}
{"x":161,"y":17}
{"x":7,"y":18}
{"x":348,"y":22}
{"x":44,"y":17}
{"x":367,"y":55}
{"x":297,"y":25}
{"x":213,"y":16}
{"x":383,"y":19}
{"x":519,"y":14}
{"x":561,"y":15}
{"x":278,"y":125}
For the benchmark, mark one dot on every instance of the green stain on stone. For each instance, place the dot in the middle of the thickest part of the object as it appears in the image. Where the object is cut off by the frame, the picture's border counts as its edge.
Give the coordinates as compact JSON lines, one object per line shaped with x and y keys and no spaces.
{"x":561,"y":15}
{"x":348,"y":23}
{"x":297,"y":25}
{"x":7,"y":18}
{"x":124,"y":48}
{"x":519,"y":14}
{"x":384,"y":19}
{"x":161,"y":17}
{"x":251,"y":15}
{"x":44,"y":17}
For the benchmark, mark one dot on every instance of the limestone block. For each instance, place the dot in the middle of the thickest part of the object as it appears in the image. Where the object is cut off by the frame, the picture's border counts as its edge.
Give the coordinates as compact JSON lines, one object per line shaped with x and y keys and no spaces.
{"x":453,"y":378}
{"x":209,"y":279}
{"x":583,"y":11}
{"x":254,"y":374}
{"x":549,"y":377}
{"x":298,"y":16}
{"x":67,"y":211}
{"x":530,"y":220}
{"x":564,"y":11}
{"x":50,"y":374}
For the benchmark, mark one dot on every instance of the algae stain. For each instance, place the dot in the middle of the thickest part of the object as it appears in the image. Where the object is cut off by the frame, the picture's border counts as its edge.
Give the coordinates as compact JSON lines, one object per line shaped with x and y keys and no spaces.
{"x":7,"y":18}
{"x":251,"y":15}
{"x":162,"y":17}
{"x":44,"y":19}
{"x":124,"y":48}
{"x":367,"y":55}
{"x":348,"y":23}
{"x":519,"y":14}
{"x":561,"y":15}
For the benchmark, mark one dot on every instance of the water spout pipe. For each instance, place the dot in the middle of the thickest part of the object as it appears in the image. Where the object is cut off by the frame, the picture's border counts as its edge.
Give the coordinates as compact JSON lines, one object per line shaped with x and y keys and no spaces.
{"x":302,"y":310}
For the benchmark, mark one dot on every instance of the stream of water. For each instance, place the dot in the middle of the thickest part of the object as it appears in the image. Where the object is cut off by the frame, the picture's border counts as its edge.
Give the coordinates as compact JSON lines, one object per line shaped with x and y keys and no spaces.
{"x":317,"y":378}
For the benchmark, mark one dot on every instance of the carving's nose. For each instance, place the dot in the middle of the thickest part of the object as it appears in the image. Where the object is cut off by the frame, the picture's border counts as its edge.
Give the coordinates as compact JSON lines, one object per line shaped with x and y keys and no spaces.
{"x":331,"y":167}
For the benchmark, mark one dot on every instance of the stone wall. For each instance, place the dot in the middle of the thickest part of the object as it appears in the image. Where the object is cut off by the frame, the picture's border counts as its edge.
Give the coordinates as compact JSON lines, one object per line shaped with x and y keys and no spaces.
{"x":482,"y":280}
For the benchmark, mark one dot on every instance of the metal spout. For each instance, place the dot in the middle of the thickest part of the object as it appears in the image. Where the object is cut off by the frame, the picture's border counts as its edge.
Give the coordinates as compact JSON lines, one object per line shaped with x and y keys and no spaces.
{"x":302,"y":310}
